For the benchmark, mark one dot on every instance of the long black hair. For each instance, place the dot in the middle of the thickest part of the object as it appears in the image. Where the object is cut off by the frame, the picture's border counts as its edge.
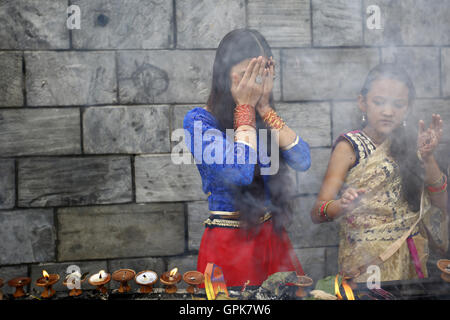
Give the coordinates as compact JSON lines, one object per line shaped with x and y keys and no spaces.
{"x":403,"y":147}
{"x":237,"y":46}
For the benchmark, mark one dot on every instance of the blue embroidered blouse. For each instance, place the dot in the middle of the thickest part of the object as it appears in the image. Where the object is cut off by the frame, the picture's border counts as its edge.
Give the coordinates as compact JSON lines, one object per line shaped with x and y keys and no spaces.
{"x":202,"y":136}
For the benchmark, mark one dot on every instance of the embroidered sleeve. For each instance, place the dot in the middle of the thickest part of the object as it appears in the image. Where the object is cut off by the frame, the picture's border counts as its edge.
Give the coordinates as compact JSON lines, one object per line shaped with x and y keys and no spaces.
{"x":225,"y":160}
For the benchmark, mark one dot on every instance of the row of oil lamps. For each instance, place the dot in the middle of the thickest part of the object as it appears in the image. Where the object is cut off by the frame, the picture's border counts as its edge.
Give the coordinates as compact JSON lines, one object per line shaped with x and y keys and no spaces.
{"x":146,"y":279}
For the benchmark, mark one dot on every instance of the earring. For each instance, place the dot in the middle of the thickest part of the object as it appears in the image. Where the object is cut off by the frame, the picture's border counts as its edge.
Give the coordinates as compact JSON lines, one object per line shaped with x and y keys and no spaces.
{"x":404,"y":123}
{"x":364,"y":117}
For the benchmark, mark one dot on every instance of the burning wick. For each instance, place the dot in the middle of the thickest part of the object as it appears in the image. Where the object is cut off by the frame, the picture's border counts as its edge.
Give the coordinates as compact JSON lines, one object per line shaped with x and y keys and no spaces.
{"x":172,"y":273}
{"x":98,"y":277}
{"x":45,"y":274}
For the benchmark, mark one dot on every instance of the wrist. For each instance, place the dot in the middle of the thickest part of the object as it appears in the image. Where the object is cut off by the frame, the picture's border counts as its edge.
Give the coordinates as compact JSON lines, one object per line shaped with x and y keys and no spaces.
{"x":264,"y":109}
{"x":244,"y":114}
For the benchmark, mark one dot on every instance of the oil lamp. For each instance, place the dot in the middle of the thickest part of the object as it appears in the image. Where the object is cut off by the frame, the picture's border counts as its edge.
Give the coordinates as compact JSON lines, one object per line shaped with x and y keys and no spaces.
{"x":146,"y":279}
{"x":302,"y":283}
{"x":444,"y":266}
{"x":123,"y":276}
{"x":170,"y":279}
{"x":193,"y":279}
{"x":47,"y":281}
{"x":70,"y":282}
{"x":19,"y":283}
{"x":99,"y":280}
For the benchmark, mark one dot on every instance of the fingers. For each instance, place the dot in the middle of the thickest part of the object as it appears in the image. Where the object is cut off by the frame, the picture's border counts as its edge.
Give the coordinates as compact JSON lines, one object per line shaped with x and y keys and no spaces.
{"x":256,"y":69}
{"x":235,"y":82}
{"x":421,"y":126}
{"x":249,"y":70}
{"x":351,"y":194}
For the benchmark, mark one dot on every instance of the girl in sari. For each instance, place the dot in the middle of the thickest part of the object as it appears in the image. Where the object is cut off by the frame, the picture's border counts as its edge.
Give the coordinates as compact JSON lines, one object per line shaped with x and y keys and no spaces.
{"x":384,"y":184}
{"x":245,"y":233}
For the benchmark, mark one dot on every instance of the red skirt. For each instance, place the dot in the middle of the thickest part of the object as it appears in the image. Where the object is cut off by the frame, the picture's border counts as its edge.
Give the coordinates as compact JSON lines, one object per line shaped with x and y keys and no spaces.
{"x":243,"y":257}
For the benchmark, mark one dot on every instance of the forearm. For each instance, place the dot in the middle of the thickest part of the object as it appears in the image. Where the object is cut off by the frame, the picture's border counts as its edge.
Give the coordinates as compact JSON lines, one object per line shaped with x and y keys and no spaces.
{"x":286,"y":136}
{"x":434,"y":178}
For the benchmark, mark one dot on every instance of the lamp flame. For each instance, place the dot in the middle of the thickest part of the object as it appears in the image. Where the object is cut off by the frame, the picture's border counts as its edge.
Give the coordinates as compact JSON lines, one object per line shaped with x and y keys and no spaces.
{"x":45,"y":274}
{"x":173,"y":272}
{"x":101,"y":273}
{"x":348,"y":290}
{"x":336,"y":288}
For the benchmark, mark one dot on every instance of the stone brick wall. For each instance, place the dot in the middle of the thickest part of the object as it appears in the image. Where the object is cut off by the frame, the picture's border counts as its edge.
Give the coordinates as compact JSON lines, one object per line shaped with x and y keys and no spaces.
{"x":86,"y":117}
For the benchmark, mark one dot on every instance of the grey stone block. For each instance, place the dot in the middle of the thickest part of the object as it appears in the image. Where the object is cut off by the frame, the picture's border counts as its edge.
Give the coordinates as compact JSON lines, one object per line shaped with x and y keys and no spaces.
{"x":74,"y":181}
{"x":11,"y":82}
{"x":321,"y":74}
{"x":159,"y":179}
{"x":184,"y":264}
{"x":410,"y":22}
{"x":304,"y":233}
{"x":422,"y":65}
{"x":34,"y":24}
{"x":331,"y":265}
{"x":40,"y":131}
{"x":346,"y":117}
{"x":424,"y":108}
{"x":202,"y":24}
{"x":62,"y":270}
{"x":120,"y":231}
{"x":70,"y":78}
{"x":134,"y":24}
{"x":7,"y":184}
{"x":198,"y":211}
{"x":178,"y":114}
{"x":284,"y":23}
{"x":11,"y":272}
{"x":130,"y":129}
{"x":445,"y":70}
{"x":165,"y":76}
{"x":27,"y":236}
{"x":313,"y":262}
{"x":138,"y":265}
{"x":309,"y":182}
{"x":337,"y":23}
{"x":277,"y":82}
{"x":311,"y":121}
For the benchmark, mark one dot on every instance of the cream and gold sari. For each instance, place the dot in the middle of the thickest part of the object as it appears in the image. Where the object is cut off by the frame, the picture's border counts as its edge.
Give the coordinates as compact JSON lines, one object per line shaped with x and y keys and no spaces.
{"x":382,"y":216}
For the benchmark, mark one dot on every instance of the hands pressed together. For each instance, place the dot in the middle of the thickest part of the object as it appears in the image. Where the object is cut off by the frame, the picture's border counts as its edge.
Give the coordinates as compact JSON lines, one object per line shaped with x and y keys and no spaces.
{"x":256,"y":85}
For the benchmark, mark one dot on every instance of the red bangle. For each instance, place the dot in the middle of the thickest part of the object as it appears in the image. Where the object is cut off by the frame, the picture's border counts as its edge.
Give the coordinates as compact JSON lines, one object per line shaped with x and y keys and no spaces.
{"x":323,"y":210}
{"x":244,"y":114}
{"x":439,"y":189}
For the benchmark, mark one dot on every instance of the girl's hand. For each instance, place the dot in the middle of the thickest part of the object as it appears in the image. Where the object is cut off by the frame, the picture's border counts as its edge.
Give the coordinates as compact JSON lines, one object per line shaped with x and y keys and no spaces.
{"x":428,"y":139}
{"x":248,"y":90}
{"x":350,"y":198}
{"x":269,"y":73}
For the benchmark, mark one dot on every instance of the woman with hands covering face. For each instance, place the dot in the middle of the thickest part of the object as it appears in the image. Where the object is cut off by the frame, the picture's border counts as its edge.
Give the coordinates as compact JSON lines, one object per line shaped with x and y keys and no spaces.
{"x":245,"y":233}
